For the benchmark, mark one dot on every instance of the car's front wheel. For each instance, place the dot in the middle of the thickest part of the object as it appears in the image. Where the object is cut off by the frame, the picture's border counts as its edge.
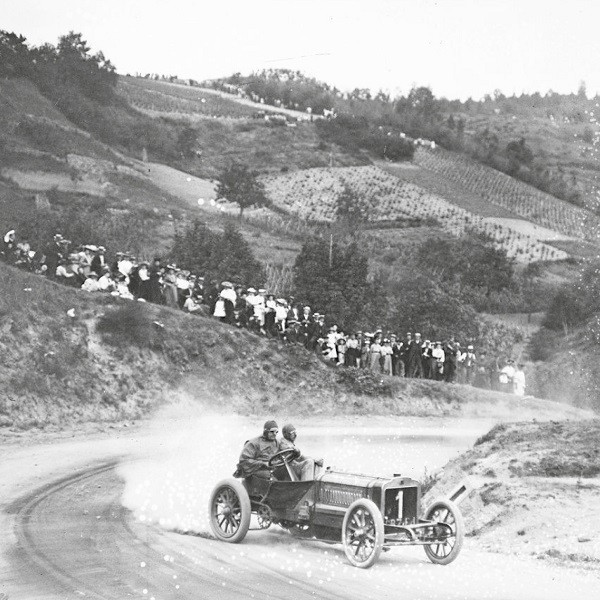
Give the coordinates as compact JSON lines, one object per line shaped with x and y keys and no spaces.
{"x":451,"y":540}
{"x":229,"y":511}
{"x":363,"y":533}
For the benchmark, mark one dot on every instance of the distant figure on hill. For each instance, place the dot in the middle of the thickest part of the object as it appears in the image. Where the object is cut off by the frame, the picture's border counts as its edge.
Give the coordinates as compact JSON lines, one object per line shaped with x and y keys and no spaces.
{"x":53,"y":253}
{"x":439,"y":358}
{"x":519,"y":381}
{"x":414,"y":355}
{"x":470,"y":364}
{"x":450,"y":351}
{"x":506,"y":377}
{"x":9,"y":246}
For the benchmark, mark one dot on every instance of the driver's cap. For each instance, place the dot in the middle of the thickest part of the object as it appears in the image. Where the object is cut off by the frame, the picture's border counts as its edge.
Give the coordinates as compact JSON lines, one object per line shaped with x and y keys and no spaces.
{"x":270,"y":425}
{"x":287,"y":429}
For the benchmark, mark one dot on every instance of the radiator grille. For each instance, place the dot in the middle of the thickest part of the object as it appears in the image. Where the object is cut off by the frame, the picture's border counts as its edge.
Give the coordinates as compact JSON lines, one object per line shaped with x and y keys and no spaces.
{"x":340,"y":495}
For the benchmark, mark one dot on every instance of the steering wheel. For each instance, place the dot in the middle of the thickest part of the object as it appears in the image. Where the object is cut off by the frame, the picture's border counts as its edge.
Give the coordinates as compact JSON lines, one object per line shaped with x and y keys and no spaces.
{"x":283,"y":457}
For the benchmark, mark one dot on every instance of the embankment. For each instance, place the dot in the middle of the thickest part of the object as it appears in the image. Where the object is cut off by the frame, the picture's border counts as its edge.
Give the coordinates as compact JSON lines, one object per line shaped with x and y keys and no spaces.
{"x":70,"y":357}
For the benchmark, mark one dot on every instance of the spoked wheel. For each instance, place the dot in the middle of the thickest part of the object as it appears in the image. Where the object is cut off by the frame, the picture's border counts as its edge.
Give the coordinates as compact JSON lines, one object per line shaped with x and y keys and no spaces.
{"x":229,"y":511}
{"x":363,"y":533}
{"x":444,"y":511}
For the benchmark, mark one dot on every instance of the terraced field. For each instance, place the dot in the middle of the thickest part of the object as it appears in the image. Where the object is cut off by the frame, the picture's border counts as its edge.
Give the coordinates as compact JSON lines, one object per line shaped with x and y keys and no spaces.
{"x":311,"y":194}
{"x":523,"y":200}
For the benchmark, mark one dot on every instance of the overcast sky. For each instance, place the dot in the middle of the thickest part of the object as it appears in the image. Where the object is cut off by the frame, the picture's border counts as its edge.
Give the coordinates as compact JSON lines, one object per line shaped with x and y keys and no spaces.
{"x":459,"y":48}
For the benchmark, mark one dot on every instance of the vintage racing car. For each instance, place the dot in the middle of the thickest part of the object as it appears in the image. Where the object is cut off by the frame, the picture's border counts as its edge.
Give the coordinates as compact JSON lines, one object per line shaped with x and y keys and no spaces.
{"x":366,"y":514}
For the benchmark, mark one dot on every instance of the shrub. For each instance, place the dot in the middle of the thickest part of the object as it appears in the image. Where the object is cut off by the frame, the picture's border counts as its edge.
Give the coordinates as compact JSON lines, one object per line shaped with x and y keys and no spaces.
{"x":491,"y":434}
{"x":129,"y":324}
{"x":543,"y":345}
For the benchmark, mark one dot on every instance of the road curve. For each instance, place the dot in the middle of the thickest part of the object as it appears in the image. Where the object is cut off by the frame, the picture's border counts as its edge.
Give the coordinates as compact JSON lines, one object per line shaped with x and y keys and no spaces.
{"x":74,"y":539}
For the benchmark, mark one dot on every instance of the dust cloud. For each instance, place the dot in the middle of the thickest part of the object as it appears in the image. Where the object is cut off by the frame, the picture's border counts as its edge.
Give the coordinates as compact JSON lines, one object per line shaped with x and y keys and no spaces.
{"x":185,"y":452}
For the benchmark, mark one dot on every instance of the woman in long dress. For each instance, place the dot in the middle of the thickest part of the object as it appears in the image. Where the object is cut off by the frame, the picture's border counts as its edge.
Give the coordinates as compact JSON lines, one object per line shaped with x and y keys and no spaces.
{"x":386,"y":356}
{"x":374,"y":357}
{"x":170,"y":287}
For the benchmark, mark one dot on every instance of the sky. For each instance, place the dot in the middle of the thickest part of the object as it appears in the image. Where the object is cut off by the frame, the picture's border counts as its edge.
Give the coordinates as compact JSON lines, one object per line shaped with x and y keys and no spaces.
{"x":459,"y":48}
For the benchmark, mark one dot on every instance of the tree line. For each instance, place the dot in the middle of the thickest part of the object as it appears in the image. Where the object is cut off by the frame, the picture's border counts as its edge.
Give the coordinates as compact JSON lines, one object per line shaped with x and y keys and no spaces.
{"x":82,"y":85}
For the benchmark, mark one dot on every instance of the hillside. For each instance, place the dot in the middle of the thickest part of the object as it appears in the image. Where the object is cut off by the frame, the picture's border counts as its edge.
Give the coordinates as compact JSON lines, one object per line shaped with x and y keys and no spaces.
{"x":563,"y":135}
{"x":312,"y":195}
{"x":521,"y":219}
{"x":151,"y":170}
{"x":45,"y":152}
{"x":230,"y":129}
{"x":118,"y":360}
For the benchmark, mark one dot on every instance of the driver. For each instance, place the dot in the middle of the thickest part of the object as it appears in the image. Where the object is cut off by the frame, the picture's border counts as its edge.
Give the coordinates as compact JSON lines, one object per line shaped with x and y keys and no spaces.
{"x":254,"y":459}
{"x":304,"y":466}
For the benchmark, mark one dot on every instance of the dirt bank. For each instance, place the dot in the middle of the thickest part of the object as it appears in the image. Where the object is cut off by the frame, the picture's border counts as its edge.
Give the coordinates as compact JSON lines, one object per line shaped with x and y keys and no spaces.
{"x":535,"y":490}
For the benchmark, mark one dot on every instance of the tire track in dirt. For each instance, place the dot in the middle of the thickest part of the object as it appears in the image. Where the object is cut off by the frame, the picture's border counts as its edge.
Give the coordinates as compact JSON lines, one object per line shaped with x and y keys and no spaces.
{"x":75,"y":539}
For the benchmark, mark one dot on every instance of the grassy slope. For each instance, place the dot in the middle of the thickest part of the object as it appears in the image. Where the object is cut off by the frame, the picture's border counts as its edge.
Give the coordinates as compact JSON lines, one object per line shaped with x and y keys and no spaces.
{"x":559,"y":141}
{"x":280,"y":142}
{"x":226,"y":131}
{"x":58,"y":370}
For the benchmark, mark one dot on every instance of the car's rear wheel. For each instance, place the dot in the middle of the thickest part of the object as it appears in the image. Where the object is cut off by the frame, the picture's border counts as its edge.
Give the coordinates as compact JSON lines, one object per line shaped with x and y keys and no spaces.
{"x":444,"y":511}
{"x":363,"y":533}
{"x":229,"y":511}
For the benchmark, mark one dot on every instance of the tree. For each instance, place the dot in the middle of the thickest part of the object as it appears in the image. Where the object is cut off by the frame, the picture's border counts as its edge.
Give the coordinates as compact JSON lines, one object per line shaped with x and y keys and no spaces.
{"x":519,"y":154}
{"x":498,"y":96}
{"x":234,"y":259}
{"x":567,"y":310}
{"x":15,"y":56}
{"x":421,"y":304}
{"x":472,"y":260}
{"x":487,"y":145}
{"x":240,"y":185}
{"x":340,"y":288}
{"x":69,"y":75}
{"x":92,"y":75}
{"x":187,"y":138}
{"x":193,"y":248}
{"x":352,"y":211}
{"x":216,"y":255}
{"x":382,"y":97}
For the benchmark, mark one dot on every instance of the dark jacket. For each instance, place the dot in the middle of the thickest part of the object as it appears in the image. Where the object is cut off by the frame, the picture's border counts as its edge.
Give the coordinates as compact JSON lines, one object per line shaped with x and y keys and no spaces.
{"x":255,"y":456}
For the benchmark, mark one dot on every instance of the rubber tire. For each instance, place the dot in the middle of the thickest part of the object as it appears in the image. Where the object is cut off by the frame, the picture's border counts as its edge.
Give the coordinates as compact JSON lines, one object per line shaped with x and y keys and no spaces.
{"x":245,"y":510}
{"x":460,"y":532}
{"x":375,"y":513}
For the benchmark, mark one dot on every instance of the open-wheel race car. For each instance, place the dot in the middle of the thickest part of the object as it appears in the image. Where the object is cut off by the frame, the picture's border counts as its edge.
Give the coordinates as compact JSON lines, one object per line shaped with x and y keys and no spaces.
{"x":366,"y":514}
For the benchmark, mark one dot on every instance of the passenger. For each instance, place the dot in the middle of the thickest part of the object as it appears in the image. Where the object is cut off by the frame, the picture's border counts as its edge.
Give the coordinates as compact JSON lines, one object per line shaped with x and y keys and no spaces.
{"x":254,"y":459}
{"x":304,"y":467}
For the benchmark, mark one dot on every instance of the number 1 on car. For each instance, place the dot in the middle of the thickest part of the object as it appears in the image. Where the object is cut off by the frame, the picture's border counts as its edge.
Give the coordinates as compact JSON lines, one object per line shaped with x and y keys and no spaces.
{"x":399,"y":499}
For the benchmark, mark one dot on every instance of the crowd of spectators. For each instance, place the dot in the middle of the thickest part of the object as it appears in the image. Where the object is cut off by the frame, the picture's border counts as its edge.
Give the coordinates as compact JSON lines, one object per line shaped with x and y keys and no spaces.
{"x":258,"y":310}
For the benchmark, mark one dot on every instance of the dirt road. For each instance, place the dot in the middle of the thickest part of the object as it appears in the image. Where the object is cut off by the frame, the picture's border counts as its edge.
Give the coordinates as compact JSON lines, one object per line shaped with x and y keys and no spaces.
{"x":67,"y":535}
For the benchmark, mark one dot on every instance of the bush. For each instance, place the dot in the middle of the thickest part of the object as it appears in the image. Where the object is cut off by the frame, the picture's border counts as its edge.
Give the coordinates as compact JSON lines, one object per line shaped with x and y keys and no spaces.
{"x":568,"y":308}
{"x":129,"y":324}
{"x":543,"y":345}
{"x":491,"y":434}
{"x":356,"y":133}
